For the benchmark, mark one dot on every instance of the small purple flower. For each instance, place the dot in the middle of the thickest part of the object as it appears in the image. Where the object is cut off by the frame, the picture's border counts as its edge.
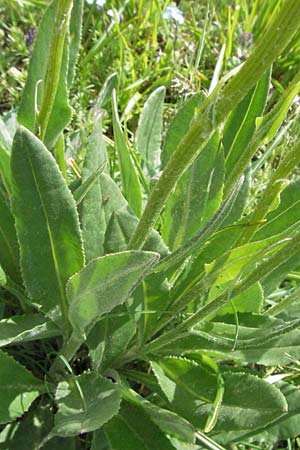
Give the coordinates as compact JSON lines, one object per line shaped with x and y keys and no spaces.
{"x":173,"y":13}
{"x":30,"y":37}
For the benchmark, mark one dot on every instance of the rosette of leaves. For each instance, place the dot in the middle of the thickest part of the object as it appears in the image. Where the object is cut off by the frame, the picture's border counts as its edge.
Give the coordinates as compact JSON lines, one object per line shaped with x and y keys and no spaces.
{"x":136,"y":311}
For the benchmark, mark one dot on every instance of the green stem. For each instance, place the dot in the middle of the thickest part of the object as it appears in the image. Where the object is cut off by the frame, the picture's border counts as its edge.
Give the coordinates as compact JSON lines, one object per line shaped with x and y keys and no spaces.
{"x":214,"y":112}
{"x":68,"y":351}
{"x":285,"y":303}
{"x":262,"y":269}
{"x":52,"y":77}
{"x":275,"y":186}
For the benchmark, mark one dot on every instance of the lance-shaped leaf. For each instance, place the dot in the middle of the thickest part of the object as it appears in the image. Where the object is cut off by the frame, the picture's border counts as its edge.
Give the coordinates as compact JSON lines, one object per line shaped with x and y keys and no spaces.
{"x":149,"y":131}
{"x":197,"y":196}
{"x":180,"y":126}
{"x":248,"y":401}
{"x":129,"y":178}
{"x":104,"y":284}
{"x":33,"y":92}
{"x":85,"y":403}
{"x":29,"y":327}
{"x":46,"y":221}
{"x":91,"y":210}
{"x":18,"y":388}
{"x":241,"y":123}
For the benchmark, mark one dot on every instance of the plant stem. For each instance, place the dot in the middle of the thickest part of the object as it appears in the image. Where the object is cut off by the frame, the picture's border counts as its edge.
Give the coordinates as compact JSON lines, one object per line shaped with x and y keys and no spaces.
{"x":262,"y":269}
{"x":275,"y":186}
{"x":52,"y":77}
{"x":214,"y":112}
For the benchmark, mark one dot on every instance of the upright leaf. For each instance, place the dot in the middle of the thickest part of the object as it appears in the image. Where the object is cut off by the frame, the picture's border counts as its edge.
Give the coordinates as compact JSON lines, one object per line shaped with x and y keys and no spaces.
{"x":197,"y":196}
{"x":91,"y":209}
{"x":129,"y":178}
{"x":104,"y":284}
{"x":33,"y":92}
{"x":18,"y":388}
{"x":46,"y":221}
{"x":85,"y":403}
{"x":241,"y":124}
{"x":75,"y":35}
{"x":179,"y":126}
{"x":149,"y":131}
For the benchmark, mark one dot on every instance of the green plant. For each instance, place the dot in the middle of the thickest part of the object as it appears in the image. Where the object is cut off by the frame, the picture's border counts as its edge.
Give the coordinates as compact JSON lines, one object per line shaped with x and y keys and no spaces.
{"x":135,"y":311}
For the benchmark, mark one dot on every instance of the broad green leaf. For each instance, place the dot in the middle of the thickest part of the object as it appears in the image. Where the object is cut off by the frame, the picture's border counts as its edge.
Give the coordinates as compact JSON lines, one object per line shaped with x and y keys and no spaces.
{"x":167,"y":421}
{"x":197,"y":196}
{"x":46,"y":221}
{"x":104,"y":284}
{"x":149,"y":131}
{"x":260,"y":340}
{"x":92,"y":216}
{"x":132,"y":429}
{"x":110,"y":337}
{"x":85,"y":403}
{"x":18,"y":388}
{"x":179,"y":126}
{"x":287,"y":426}
{"x":241,"y":124}
{"x":129,"y":178}
{"x":32,"y":430}
{"x":29,"y":327}
{"x":248,"y":401}
{"x":153,"y":293}
{"x":9,"y":247}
